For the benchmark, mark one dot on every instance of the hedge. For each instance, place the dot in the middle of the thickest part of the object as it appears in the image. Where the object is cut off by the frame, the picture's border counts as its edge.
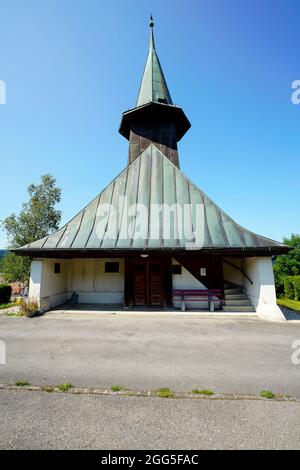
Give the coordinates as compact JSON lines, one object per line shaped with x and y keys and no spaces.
{"x":5,"y":294}
{"x":292,"y":287}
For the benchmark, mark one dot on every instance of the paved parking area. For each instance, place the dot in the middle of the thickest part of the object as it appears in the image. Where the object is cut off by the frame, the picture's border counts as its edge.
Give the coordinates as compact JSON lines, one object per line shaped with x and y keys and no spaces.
{"x":39,"y":420}
{"x":145,"y":352}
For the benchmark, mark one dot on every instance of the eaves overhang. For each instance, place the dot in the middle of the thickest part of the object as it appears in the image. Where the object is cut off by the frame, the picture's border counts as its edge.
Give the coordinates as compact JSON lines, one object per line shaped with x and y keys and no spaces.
{"x":152,"y":112}
{"x":101,"y":252}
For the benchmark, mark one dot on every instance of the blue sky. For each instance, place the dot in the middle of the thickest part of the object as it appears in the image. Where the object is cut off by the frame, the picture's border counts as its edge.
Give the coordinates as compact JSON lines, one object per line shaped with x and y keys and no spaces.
{"x":71,"y":67}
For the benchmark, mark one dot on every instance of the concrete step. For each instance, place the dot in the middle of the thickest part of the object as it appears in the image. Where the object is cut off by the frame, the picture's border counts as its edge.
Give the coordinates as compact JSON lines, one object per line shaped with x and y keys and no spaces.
{"x":236,"y":297}
{"x":236,"y":290}
{"x":231,"y":285}
{"x":240,"y":308}
{"x":238,"y":302}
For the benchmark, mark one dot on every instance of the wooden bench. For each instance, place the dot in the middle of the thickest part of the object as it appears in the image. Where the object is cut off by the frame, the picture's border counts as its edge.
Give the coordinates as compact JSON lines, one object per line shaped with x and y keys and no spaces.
{"x":198,"y":295}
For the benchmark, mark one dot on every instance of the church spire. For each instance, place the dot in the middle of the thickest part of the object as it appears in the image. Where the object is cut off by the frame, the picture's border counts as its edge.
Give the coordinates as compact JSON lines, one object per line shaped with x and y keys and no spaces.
{"x":153,"y":86}
{"x":154,"y":120}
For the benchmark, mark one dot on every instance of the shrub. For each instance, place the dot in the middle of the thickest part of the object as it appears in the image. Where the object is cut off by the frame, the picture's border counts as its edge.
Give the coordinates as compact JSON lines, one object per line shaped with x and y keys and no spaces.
{"x":29,"y":307}
{"x":288,"y":287}
{"x":297,"y":287}
{"x":5,"y":293}
{"x":292,"y":287}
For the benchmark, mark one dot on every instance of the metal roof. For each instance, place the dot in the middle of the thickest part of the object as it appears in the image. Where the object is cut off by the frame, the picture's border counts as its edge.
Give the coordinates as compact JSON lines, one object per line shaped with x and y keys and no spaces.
{"x":153,"y":86}
{"x":151,"y":179}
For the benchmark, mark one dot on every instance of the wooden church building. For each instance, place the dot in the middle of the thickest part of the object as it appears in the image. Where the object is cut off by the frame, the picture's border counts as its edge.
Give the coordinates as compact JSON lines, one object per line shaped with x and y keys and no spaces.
{"x":152,"y":239}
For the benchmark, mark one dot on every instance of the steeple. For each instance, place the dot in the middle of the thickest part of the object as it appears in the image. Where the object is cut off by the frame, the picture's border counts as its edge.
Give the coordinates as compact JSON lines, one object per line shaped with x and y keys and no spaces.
{"x":154,"y":120}
{"x":153,"y":86}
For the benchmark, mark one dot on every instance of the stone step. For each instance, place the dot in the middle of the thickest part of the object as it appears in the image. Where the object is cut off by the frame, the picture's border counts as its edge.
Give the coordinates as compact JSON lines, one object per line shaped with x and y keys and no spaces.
{"x":236,"y":296}
{"x":240,"y":308}
{"x":237,"y":302}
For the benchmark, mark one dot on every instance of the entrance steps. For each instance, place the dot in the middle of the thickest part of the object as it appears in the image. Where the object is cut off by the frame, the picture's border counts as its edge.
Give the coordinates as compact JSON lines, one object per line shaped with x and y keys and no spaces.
{"x":235,"y":299}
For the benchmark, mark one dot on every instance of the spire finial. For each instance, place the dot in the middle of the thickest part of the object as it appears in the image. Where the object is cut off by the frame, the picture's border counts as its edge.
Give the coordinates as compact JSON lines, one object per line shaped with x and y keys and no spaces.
{"x":151,"y":24}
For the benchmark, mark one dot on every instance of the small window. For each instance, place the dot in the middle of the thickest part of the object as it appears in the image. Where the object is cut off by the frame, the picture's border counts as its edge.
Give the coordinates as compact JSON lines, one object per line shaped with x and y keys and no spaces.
{"x":56,"y":268}
{"x":176,"y":268}
{"x":112,"y":267}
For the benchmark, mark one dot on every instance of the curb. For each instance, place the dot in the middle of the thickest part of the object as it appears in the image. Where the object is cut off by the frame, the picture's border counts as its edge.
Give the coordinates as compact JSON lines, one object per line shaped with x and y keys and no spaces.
{"x":143,"y":393}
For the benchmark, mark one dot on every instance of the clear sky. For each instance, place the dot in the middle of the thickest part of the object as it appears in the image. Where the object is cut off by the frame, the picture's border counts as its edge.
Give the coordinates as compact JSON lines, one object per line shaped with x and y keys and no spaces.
{"x":71,"y":67}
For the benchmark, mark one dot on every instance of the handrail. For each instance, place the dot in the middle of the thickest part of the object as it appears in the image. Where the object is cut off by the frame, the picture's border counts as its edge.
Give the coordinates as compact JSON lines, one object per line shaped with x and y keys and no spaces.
{"x":239,"y":269}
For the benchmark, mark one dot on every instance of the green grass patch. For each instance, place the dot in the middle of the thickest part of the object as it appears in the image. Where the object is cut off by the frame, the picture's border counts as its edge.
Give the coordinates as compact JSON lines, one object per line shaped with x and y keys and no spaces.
{"x":203,"y":392}
{"x":48,"y":389}
{"x":288,"y":303}
{"x":11,"y":304}
{"x":117,"y":388}
{"x":22,"y":383}
{"x":164,"y":392}
{"x":64,"y":387}
{"x":267,"y":394}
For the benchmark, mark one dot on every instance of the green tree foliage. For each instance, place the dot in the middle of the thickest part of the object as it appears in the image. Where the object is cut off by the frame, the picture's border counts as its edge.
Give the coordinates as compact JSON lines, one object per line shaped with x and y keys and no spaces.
{"x":289,"y":264}
{"x":37,"y":219}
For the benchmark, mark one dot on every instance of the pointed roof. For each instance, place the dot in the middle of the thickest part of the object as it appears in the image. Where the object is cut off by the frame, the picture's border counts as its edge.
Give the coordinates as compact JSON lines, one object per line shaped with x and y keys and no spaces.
{"x":153,"y":86}
{"x":151,"y":179}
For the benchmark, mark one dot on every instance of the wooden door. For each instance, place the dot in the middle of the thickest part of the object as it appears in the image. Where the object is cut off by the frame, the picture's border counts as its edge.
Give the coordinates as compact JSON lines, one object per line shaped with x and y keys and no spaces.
{"x":148,"y":290}
{"x":140,"y":283}
{"x":155,"y":291}
{"x":148,"y":281}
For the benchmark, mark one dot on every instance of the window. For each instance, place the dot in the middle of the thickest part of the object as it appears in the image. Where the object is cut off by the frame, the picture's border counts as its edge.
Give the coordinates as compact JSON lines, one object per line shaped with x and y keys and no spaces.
{"x":176,"y":269}
{"x":56,"y":268}
{"x":112,"y":267}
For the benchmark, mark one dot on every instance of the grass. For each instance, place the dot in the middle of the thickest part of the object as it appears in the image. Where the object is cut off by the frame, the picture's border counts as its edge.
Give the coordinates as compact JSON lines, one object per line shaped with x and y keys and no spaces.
{"x":164,"y":392}
{"x":22,"y":383}
{"x":117,"y":388}
{"x":11,"y":304}
{"x":64,"y":387}
{"x":267,"y":394}
{"x":203,"y":392}
{"x":288,"y":303}
{"x":48,"y":389}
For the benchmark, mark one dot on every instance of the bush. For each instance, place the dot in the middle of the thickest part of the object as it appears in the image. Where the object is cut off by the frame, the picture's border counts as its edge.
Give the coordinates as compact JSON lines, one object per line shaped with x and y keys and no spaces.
{"x":289,"y":287}
{"x":297,"y":287}
{"x":5,"y":293}
{"x":292,"y":287}
{"x":29,"y":307}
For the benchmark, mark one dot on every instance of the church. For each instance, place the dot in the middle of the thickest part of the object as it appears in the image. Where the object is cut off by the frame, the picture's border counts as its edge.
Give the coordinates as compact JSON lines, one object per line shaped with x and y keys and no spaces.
{"x":151,"y":239}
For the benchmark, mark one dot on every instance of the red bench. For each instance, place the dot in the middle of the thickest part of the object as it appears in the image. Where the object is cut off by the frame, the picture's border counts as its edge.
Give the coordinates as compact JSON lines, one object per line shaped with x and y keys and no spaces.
{"x":202,"y":295}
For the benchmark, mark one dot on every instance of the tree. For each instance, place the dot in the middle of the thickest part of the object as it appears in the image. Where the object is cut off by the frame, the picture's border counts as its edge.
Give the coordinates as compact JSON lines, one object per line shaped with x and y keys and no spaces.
{"x":37,"y":219}
{"x":289,"y":264}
